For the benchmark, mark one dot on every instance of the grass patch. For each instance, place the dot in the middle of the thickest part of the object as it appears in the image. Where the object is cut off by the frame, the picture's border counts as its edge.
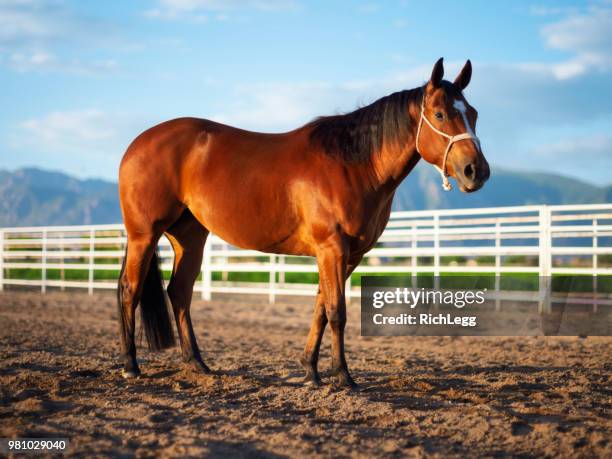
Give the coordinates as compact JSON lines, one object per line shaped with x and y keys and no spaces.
{"x":508,"y":281}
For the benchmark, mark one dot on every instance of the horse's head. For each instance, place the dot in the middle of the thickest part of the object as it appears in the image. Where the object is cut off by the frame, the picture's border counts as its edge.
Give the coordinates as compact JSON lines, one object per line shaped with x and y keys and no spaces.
{"x":446,"y":133}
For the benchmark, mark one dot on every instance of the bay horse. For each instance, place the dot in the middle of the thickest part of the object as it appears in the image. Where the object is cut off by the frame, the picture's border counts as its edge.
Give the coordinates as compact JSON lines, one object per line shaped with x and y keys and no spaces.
{"x":322,"y":190}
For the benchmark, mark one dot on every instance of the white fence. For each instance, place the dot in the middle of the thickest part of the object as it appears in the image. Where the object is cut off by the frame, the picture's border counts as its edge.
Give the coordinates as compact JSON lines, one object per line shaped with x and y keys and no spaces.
{"x":546,"y":240}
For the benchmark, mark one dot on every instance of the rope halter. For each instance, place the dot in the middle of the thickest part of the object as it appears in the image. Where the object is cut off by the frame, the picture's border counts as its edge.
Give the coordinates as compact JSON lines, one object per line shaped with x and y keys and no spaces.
{"x":451,"y":140}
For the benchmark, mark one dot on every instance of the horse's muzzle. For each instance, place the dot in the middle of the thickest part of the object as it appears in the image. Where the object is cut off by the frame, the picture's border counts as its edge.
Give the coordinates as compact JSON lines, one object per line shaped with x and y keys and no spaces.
{"x":472,"y":175}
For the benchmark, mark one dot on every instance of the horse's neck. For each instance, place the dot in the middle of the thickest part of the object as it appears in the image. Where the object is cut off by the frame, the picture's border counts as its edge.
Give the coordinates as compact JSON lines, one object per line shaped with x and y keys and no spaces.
{"x":396,"y":158}
{"x":393,"y":163}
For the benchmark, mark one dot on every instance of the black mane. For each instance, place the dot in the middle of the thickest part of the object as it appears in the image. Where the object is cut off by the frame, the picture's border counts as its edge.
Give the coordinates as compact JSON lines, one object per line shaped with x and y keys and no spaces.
{"x":355,"y":136}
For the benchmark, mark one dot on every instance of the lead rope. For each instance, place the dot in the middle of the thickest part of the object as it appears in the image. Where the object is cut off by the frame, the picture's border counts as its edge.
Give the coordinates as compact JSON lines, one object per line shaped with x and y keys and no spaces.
{"x":451,"y":140}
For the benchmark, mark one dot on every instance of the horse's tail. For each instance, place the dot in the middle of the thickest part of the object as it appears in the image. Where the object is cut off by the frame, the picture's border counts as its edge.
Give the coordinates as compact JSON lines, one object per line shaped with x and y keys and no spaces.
{"x":153,"y":308}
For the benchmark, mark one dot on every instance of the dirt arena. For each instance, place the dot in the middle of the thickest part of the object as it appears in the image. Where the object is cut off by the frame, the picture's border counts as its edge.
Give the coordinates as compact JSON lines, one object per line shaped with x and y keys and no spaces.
{"x":419,"y":396}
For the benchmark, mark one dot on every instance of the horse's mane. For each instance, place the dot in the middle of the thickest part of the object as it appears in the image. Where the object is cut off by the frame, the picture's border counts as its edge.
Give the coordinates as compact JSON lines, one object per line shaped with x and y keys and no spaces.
{"x":355,"y":136}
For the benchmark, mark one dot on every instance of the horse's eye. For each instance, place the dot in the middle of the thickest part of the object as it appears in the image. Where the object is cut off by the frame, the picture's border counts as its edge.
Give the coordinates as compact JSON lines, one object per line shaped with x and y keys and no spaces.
{"x":439,"y":116}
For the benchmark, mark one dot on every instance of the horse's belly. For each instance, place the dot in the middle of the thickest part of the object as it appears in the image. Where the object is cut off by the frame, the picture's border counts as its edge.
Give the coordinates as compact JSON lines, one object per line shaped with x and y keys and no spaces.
{"x":247,"y":220}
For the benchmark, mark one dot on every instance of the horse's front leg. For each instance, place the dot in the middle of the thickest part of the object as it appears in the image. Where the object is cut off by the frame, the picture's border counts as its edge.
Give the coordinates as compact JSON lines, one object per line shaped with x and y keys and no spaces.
{"x":332,"y":259}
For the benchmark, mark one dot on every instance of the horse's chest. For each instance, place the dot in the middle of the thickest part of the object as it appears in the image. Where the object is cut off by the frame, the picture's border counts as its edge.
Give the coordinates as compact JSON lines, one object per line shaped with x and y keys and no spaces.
{"x":371,"y":229}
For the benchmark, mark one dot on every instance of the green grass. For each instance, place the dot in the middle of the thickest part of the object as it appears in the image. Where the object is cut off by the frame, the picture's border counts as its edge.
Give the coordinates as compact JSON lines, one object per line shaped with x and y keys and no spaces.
{"x":508,"y":281}
{"x":83,"y":275}
{"x":56,"y":274}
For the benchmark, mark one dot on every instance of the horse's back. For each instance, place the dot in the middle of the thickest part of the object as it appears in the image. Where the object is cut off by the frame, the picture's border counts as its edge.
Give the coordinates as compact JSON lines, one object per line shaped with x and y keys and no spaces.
{"x":175,"y":139}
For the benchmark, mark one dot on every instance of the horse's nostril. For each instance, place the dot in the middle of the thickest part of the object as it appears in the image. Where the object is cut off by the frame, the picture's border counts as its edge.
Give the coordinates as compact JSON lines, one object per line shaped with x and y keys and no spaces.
{"x":469,"y":172}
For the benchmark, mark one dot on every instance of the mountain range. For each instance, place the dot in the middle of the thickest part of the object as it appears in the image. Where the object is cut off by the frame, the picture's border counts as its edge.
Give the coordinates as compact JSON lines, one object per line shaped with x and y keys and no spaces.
{"x":31,"y":197}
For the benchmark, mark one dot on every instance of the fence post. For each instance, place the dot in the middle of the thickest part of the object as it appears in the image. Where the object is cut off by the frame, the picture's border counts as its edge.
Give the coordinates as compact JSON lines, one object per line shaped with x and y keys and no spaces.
{"x":497,"y":265}
{"x":436,"y":241}
{"x":272,"y":280}
{"x":595,"y":264}
{"x":206,"y":270}
{"x":347,"y":291}
{"x":224,"y":261}
{"x":92,"y":244}
{"x":43,"y":276}
{"x":413,"y":261}
{"x":281,"y":271}
{"x":1,"y":260}
{"x":62,"y":261}
{"x":545,"y":260}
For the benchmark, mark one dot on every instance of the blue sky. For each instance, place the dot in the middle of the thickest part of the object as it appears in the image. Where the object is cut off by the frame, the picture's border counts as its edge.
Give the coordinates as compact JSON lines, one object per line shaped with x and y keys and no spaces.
{"x":80,"y":79}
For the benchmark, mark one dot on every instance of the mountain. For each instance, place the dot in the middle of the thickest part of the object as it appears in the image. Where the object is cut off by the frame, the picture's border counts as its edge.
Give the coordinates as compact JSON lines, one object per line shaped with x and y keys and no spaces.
{"x":30,"y":197}
{"x":423,"y":190}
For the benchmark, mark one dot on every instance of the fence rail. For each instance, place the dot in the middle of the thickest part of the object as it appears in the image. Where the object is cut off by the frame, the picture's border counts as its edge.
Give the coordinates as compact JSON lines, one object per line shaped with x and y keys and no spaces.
{"x":544,"y":240}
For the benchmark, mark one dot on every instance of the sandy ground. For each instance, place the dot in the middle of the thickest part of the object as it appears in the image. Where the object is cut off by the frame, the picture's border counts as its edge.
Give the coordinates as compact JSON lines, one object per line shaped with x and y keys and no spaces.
{"x":432,"y":397}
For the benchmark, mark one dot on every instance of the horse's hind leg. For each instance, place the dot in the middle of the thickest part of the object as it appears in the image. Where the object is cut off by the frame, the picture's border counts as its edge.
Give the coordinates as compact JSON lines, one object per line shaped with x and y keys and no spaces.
{"x":187,"y":237}
{"x":135,"y":269}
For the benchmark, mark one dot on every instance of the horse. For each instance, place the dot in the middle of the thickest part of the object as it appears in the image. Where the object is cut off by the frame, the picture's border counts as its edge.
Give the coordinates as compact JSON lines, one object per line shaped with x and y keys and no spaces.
{"x":322,"y":190}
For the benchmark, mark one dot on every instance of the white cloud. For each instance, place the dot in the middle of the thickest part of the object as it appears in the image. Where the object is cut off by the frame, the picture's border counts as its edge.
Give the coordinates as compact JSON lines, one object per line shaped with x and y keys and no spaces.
{"x":588,"y":36}
{"x":586,"y":156}
{"x":399,"y":23}
{"x":86,"y":141}
{"x":70,"y":131}
{"x":541,"y":10}
{"x":37,"y":59}
{"x":277,"y":106}
{"x":43,"y":61}
{"x":24,"y":19}
{"x":45,"y":35}
{"x":368,"y":8}
{"x":583,"y":146}
{"x":193,"y":9}
{"x":225,"y":5}
{"x":283,"y":106}
{"x":78,"y":133}
{"x":35,"y":22}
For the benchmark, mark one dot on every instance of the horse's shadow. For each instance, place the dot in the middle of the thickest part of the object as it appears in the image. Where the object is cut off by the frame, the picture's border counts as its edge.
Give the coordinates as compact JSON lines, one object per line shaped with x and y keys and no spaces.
{"x":429,"y":393}
{"x":224,"y":449}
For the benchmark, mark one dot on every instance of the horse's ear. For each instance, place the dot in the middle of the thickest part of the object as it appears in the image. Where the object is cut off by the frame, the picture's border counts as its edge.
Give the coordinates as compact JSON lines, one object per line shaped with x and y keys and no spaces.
{"x":437,"y":73}
{"x":464,"y":77}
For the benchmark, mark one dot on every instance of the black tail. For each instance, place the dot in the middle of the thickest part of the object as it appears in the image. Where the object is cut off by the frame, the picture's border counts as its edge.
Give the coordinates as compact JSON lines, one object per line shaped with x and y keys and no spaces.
{"x":153,"y":308}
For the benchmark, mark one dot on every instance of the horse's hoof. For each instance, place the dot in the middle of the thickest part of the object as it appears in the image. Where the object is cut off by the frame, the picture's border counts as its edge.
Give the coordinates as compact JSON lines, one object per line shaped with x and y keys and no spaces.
{"x":312,"y":378}
{"x":312,"y":381}
{"x":350,"y":386}
{"x":344,"y":380}
{"x":199,"y":367}
{"x":130,"y":373}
